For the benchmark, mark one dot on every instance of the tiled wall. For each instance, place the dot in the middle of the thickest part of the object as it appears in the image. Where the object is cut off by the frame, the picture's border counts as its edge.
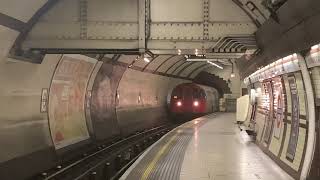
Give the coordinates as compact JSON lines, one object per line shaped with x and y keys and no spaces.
{"x":302,"y":130}
{"x":277,"y":148}
{"x":315,"y":76}
{"x":300,"y":148}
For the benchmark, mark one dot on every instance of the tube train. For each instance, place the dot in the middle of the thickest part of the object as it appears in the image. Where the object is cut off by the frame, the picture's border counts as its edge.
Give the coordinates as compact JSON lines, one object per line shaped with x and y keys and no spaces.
{"x":192,"y":99}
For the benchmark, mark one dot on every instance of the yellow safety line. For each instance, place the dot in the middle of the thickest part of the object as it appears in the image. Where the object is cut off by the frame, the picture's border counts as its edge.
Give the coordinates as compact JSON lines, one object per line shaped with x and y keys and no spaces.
{"x":152,"y":165}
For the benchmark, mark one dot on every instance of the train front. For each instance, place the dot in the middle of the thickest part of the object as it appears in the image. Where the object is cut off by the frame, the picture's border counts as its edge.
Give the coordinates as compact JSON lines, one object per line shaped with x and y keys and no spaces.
{"x":188,"y":99}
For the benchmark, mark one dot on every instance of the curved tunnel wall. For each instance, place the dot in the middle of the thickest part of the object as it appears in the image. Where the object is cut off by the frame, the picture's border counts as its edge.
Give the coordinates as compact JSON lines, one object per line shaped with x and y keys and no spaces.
{"x":23,"y":128}
{"x":143,"y":99}
{"x":281,"y":115}
{"x":117,"y":100}
{"x":103,"y":101}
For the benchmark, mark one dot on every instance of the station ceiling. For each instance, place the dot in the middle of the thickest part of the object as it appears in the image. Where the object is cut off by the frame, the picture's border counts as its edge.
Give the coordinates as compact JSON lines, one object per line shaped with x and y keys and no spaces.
{"x":164,"y":30}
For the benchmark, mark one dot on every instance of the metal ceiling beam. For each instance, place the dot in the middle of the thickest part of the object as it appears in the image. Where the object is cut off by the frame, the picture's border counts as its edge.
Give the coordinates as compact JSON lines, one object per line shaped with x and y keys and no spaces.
{"x":222,"y":43}
{"x":29,"y":25}
{"x":218,"y":42}
{"x":255,"y":8}
{"x":222,"y":40}
{"x":232,"y":46}
{"x":12,"y":23}
{"x":240,"y":5}
{"x":206,"y":18}
{"x":228,"y":43}
{"x":142,"y":25}
{"x":230,"y":55}
{"x":133,"y":46}
{"x":86,"y":51}
{"x":83,"y":18}
{"x":116,"y":57}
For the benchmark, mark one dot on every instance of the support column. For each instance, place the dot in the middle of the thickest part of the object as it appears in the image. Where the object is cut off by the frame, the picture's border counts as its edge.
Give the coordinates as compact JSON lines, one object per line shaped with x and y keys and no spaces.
{"x":83,"y":15}
{"x":205,"y":20}
{"x":311,"y":141}
{"x":142,"y":26}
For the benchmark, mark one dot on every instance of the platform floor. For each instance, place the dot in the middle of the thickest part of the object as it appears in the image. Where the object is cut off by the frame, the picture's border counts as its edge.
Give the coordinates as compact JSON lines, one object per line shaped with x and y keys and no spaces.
{"x":207,"y":148}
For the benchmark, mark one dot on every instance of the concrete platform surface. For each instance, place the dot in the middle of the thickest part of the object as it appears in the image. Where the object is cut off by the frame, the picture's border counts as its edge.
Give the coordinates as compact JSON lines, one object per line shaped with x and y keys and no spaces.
{"x":208,"y":148}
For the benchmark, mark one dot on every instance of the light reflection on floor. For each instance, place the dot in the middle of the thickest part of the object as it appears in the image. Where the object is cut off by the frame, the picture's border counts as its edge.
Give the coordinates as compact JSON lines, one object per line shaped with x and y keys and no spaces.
{"x":220,"y":151}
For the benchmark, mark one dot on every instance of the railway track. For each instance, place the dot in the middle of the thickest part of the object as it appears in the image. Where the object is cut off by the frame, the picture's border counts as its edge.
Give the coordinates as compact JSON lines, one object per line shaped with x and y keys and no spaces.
{"x":108,"y":161}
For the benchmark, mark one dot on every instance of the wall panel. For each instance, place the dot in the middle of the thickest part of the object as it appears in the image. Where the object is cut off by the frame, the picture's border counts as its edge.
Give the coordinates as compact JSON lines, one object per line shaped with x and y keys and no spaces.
{"x":66,"y":101}
{"x":143,"y":100}
{"x":279,"y":144}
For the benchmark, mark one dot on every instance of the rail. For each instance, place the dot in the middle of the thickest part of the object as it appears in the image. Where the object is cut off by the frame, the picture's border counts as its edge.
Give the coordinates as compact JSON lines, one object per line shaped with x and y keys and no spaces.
{"x":109,"y":162}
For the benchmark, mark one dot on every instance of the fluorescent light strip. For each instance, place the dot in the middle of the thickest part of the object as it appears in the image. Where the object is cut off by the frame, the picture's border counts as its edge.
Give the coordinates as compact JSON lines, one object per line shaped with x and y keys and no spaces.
{"x":315,"y":47}
{"x":214,"y":64}
{"x":199,"y":59}
{"x":146,"y":60}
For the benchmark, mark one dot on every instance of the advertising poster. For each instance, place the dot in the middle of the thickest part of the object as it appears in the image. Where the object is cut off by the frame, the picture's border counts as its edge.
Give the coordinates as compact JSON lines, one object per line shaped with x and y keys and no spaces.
{"x":67,"y":100}
{"x":279,"y":106}
{"x":104,"y":101}
{"x":269,"y":117}
{"x":294,"y":134}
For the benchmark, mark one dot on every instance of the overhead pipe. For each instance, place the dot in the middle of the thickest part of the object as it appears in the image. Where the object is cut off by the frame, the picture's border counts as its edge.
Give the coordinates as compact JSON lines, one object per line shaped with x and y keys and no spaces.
{"x":237,"y":38}
{"x":233,"y":46}
{"x":232,"y":37}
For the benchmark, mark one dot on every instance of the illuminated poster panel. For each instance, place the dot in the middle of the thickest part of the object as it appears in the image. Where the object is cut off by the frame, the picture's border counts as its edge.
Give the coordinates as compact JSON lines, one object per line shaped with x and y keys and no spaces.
{"x":279,"y":106}
{"x":269,"y":107}
{"x":66,"y":101}
{"x":294,"y":134}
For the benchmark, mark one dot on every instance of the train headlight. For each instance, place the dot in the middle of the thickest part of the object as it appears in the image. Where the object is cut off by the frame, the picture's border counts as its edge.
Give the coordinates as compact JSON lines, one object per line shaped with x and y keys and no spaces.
{"x":196,"y":103}
{"x":179,"y":103}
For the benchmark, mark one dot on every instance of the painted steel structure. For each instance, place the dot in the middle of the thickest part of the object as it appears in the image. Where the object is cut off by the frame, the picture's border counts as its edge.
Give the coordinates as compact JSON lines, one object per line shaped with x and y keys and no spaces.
{"x":139,"y":26}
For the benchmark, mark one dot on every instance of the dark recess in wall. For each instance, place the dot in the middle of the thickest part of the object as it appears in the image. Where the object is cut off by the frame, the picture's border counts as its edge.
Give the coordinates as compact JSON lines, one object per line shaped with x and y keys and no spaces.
{"x":212,"y":80}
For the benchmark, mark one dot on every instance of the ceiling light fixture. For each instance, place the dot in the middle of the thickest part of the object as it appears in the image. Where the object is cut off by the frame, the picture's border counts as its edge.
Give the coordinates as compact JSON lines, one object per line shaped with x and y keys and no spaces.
{"x":196,"y":52}
{"x":214,"y":64}
{"x":232,"y":75}
{"x":315,"y":47}
{"x":146,"y":60}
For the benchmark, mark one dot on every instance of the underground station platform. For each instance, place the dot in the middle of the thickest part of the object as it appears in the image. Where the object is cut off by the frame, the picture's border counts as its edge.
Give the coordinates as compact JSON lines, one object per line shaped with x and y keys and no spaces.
{"x":159,"y":89}
{"x":207,"y":148}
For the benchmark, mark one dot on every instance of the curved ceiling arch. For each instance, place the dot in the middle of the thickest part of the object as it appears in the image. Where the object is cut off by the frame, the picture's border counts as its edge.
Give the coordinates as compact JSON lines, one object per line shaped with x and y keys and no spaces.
{"x":37,"y":14}
{"x":186,"y":67}
{"x":171,"y":69}
{"x":194,"y":25}
{"x":187,"y":70}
